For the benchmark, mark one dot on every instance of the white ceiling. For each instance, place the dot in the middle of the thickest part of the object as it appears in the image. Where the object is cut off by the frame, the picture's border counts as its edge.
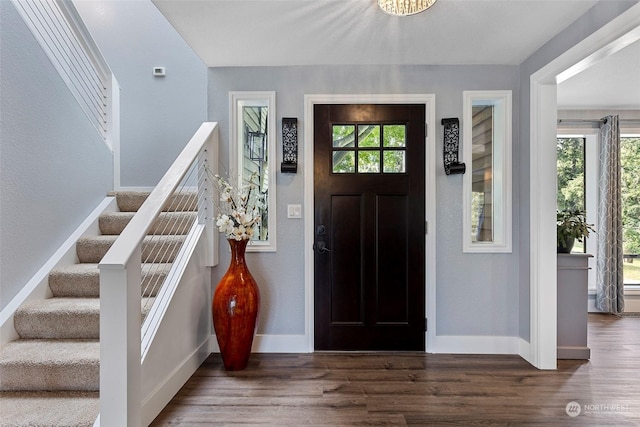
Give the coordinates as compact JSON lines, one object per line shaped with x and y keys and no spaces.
{"x":613,"y":83}
{"x":312,"y":32}
{"x":315,"y":32}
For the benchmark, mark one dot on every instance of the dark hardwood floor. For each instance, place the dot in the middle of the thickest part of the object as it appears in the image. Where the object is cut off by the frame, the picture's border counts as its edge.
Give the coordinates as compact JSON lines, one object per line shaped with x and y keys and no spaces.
{"x":420,"y":389}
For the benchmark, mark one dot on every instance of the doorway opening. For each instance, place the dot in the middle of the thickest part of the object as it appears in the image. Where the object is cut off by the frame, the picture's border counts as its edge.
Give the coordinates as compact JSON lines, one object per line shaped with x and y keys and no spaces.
{"x":617,"y":34}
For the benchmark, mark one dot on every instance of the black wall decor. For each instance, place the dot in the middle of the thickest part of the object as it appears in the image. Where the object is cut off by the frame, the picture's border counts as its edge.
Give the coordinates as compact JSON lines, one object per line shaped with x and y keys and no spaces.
{"x":451,"y":146}
{"x":289,"y":145}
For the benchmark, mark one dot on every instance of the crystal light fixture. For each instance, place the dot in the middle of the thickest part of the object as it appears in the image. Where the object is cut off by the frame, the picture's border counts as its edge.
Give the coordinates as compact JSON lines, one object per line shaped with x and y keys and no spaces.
{"x":405,"y":7}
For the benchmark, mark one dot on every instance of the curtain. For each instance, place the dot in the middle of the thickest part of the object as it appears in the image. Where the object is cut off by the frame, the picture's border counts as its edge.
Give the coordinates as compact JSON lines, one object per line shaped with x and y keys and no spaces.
{"x":609,"y":280}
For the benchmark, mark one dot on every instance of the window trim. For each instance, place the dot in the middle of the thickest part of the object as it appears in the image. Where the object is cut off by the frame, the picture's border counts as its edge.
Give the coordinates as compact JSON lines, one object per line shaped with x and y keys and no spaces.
{"x":261,"y":98}
{"x":502,"y":171}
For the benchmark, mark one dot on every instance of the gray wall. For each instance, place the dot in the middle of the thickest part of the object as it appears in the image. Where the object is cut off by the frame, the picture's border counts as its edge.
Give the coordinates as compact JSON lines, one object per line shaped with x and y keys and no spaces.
{"x":476,"y":293}
{"x":158,"y":114}
{"x":603,"y":12}
{"x":54,"y":166}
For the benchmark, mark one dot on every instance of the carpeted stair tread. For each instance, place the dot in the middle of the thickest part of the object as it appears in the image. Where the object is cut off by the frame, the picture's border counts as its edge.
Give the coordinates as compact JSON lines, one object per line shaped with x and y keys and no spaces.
{"x":154,"y":248}
{"x":167,"y":223}
{"x":130,"y":201}
{"x":51,"y":376}
{"x":50,"y":365}
{"x":63,"y":318}
{"x":83,"y":280}
{"x":59,"y":318}
{"x":49,"y":408}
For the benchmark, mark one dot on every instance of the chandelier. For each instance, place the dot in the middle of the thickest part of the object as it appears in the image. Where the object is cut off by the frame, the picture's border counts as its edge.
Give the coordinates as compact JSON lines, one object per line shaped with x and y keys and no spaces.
{"x":405,"y":7}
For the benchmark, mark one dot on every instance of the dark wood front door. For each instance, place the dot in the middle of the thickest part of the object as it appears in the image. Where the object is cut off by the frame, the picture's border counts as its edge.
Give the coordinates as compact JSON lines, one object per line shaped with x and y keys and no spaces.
{"x":369,"y":242}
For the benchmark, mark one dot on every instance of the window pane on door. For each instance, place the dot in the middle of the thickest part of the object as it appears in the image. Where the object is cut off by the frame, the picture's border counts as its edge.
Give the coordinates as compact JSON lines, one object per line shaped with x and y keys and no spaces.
{"x":344,"y":136}
{"x":393,"y":161}
{"x":344,"y":162}
{"x":394,"y":135}
{"x":368,"y":136}
{"x":369,"y":161}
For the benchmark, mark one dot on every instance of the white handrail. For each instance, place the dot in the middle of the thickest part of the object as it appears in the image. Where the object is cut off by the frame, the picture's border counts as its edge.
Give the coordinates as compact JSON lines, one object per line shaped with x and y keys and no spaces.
{"x":120,"y":277}
{"x":59,"y":30}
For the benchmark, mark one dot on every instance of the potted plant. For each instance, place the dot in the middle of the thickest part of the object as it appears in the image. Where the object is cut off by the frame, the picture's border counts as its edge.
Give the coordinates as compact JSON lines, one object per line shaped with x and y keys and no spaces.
{"x":571,"y":226}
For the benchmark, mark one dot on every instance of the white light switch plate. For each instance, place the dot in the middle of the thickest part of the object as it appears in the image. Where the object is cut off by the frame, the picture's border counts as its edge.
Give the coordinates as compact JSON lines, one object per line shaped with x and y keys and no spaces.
{"x":294,"y":211}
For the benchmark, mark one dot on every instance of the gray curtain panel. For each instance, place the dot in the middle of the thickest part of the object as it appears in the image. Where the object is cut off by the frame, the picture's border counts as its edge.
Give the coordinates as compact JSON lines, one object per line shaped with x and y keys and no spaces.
{"x":609,"y":280}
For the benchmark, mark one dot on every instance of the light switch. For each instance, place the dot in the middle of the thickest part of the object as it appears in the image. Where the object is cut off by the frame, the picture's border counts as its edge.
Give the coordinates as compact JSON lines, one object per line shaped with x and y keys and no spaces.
{"x":294,"y":211}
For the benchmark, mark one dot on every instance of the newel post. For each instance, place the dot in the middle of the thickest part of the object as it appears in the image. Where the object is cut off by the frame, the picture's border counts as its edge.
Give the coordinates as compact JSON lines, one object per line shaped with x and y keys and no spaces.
{"x":120,"y":320}
{"x":208,"y":167}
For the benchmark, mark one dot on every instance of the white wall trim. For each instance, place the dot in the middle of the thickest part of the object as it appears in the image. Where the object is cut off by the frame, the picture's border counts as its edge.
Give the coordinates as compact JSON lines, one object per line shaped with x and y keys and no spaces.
{"x":631,"y":303}
{"x":113,"y":130}
{"x":502,"y":178}
{"x":617,"y":34}
{"x":543,"y":315}
{"x":237,"y":99}
{"x":524,"y":349}
{"x":269,"y":343}
{"x":429,"y":100}
{"x":477,"y":344}
{"x":37,"y":288}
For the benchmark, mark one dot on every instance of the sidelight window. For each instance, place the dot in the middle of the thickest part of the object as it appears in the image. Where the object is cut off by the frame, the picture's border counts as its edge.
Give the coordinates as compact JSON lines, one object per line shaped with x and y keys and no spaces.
{"x":487,"y":181}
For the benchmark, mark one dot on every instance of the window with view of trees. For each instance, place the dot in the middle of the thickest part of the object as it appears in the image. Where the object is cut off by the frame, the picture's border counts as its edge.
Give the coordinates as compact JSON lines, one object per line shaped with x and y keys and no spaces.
{"x":571,"y":173}
{"x":630,"y":180}
{"x":573,"y":169}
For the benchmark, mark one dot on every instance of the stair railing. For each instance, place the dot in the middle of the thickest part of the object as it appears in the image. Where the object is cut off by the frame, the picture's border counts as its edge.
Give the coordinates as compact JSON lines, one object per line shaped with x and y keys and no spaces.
{"x":60,"y":31}
{"x":121,"y":276}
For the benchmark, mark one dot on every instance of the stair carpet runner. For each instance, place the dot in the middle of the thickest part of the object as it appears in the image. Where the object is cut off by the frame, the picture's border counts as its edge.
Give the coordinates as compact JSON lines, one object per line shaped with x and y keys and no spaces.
{"x":51,"y":375}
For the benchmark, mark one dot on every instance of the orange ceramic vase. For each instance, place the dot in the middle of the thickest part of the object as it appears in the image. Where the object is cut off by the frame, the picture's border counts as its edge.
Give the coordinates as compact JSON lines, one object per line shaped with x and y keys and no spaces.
{"x":235,"y":310}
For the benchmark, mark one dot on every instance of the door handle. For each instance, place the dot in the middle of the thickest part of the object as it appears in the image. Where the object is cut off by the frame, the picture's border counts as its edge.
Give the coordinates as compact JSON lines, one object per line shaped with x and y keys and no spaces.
{"x":321,"y":247}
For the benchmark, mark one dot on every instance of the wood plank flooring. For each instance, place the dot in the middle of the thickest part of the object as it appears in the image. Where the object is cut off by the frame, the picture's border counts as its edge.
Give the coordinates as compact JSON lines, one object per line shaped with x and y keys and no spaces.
{"x":411,"y":389}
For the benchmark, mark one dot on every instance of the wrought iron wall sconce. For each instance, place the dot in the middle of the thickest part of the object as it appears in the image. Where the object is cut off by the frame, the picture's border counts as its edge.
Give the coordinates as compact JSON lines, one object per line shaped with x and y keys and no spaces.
{"x":289,"y":145}
{"x":451,"y":147}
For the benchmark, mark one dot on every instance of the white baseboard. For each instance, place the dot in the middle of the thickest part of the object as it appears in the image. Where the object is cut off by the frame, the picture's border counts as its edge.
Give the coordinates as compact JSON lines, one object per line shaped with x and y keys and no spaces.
{"x":524,"y":350}
{"x":444,"y":344}
{"x":271,"y":344}
{"x":631,"y":302}
{"x":460,"y":344}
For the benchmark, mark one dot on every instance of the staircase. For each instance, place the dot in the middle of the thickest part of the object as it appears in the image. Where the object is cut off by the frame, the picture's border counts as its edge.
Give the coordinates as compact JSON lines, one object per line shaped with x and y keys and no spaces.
{"x":51,"y":375}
